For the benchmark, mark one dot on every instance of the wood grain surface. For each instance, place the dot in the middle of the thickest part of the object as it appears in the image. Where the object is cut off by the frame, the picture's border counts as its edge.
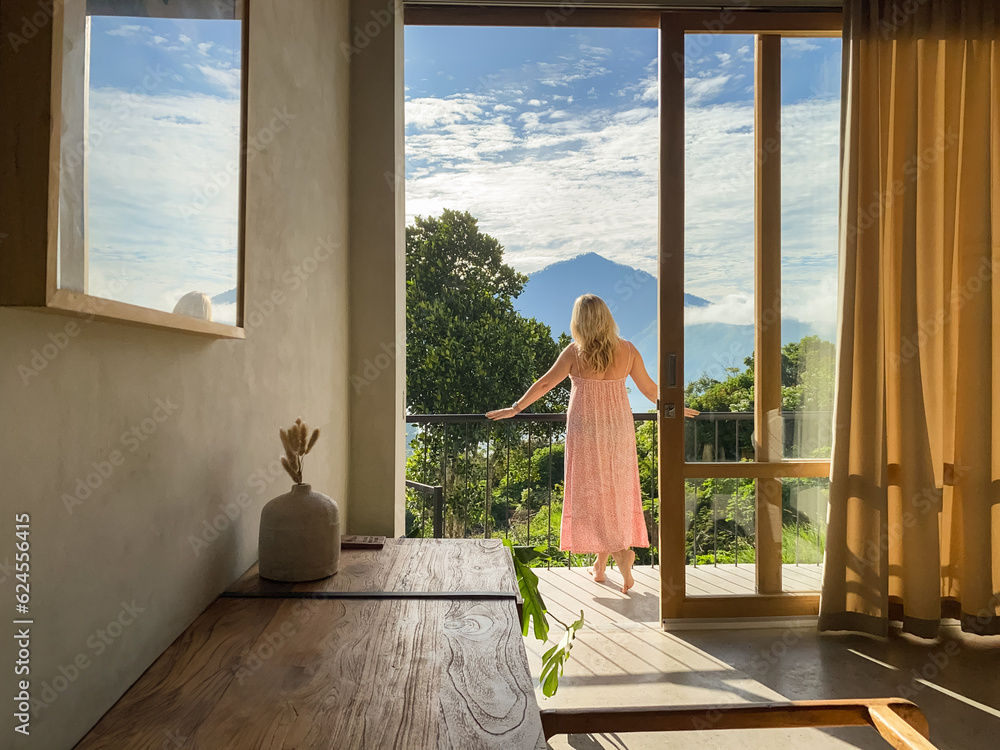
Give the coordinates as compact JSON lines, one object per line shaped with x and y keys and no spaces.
{"x":294,"y":673}
{"x":405,"y":565}
{"x":178,"y":691}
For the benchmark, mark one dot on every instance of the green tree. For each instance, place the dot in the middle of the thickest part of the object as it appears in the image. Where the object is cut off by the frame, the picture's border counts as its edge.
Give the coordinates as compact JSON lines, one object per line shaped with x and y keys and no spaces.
{"x":807,"y":374}
{"x":467,"y":349}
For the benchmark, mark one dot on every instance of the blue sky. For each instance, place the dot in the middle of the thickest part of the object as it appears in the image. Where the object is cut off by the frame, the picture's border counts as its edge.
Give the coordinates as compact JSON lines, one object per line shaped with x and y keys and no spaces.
{"x":163,"y":147}
{"x":549,"y":137}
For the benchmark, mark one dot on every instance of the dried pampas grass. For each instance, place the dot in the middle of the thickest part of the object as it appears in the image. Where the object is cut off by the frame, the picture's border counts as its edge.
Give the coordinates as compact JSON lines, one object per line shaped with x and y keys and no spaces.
{"x":297,"y":442}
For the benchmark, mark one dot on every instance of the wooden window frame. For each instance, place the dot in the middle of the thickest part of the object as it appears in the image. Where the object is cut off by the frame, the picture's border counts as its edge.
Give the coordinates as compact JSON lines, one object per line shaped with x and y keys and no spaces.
{"x":31,"y":98}
{"x":769,"y":467}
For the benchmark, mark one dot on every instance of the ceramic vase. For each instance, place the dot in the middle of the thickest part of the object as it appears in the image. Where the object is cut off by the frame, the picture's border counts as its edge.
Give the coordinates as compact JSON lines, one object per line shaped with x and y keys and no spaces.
{"x":299,"y":536}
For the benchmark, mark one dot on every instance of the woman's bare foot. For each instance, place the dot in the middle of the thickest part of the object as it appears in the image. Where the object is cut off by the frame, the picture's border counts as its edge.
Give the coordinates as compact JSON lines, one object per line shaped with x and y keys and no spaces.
{"x":597,"y":569}
{"x":625,"y":560}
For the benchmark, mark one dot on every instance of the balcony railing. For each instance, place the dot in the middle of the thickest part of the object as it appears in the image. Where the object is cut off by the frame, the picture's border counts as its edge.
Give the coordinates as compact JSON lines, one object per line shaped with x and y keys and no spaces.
{"x":728,"y":435}
{"x":468,"y":476}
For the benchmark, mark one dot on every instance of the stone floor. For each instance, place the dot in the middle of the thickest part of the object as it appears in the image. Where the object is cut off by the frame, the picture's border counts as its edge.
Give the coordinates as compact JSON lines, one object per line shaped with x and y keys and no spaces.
{"x":623,"y":658}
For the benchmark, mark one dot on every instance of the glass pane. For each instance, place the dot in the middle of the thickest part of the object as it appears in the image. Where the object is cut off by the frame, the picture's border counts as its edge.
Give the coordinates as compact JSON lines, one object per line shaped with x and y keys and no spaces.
{"x":151,"y":155}
{"x":719,"y":245}
{"x":803,"y":533}
{"x":720,"y":519}
{"x":720,"y":525}
{"x":810,"y":152}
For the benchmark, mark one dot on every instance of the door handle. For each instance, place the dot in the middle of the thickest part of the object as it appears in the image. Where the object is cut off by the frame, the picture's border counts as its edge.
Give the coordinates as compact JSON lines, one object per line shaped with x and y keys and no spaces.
{"x":671,"y":370}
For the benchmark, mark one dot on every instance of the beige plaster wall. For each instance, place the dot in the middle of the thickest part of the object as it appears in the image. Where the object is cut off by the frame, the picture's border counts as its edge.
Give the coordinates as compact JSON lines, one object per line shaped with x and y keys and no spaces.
{"x":137,"y":549}
{"x":377,"y":269}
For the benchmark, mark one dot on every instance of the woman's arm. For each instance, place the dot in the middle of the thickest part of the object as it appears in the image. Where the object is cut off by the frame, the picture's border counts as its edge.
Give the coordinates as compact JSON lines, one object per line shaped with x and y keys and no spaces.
{"x":647,"y":386}
{"x":556,"y":374}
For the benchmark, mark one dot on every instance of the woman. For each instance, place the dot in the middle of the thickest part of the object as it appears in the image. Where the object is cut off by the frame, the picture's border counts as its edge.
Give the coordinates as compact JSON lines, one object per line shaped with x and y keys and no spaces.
{"x":602,"y":505}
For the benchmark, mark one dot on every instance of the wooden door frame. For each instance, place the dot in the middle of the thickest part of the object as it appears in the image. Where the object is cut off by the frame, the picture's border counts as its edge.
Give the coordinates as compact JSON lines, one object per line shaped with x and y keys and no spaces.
{"x":768,"y":468}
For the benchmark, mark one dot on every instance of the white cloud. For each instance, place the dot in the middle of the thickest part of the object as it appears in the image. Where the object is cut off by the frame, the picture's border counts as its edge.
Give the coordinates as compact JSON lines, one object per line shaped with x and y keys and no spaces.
{"x":128,"y":30}
{"x":204,"y":47}
{"x":598,"y":52}
{"x":184,"y":39}
{"x":224,"y":313}
{"x":698,"y":90}
{"x":542,"y":210}
{"x":427,"y":112}
{"x":229,"y":80}
{"x":160,"y":39}
{"x":735,"y":309}
{"x":798,"y":46}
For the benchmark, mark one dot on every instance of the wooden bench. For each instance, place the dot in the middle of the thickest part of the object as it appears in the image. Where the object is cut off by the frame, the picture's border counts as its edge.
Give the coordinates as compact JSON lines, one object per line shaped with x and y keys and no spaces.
{"x":417,"y":645}
{"x":900,"y":722}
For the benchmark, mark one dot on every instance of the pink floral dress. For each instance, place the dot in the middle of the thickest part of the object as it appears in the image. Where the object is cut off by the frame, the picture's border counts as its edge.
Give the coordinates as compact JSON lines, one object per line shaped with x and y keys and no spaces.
{"x":602,"y":507}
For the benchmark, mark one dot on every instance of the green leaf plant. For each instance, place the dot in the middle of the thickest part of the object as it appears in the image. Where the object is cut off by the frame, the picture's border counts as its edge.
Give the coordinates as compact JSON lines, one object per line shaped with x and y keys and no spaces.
{"x":534,"y":614}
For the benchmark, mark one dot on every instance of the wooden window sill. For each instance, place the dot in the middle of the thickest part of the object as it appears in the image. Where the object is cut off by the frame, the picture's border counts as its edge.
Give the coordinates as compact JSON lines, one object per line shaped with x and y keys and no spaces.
{"x":113,"y":311}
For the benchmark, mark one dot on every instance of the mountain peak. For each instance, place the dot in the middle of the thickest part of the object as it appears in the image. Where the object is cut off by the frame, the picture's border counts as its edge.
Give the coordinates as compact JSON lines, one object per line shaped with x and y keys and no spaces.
{"x":630,"y":293}
{"x":589,"y":262}
{"x":617,"y":284}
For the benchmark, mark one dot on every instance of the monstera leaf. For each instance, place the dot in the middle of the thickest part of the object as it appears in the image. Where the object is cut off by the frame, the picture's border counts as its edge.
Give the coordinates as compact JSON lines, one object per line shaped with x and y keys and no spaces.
{"x":555,"y":658}
{"x":533,"y":613}
{"x":533,"y":607}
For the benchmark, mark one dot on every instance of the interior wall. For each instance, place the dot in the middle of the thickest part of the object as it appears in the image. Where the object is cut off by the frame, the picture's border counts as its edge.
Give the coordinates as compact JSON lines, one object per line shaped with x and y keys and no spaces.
{"x":176,"y":432}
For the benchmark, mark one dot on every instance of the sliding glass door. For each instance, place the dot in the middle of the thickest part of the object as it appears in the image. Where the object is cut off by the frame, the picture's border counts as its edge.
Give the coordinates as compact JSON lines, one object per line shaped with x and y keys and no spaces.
{"x":748,"y":189}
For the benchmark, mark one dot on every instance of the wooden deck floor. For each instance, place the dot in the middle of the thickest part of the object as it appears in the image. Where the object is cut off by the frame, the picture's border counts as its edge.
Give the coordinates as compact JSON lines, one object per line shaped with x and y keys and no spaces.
{"x":566,"y":590}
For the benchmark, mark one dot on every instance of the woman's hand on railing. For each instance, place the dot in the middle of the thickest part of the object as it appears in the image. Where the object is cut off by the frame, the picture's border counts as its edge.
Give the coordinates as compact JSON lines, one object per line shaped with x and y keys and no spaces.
{"x":689,"y":412}
{"x":502,"y":413}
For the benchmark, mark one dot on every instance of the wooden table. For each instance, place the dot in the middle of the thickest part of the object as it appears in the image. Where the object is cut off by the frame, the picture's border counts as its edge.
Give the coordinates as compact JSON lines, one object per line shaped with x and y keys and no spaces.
{"x":417,"y":645}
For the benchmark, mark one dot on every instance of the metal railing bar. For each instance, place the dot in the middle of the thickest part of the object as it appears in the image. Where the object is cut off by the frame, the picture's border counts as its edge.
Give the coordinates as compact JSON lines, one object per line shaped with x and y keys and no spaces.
{"x":639,"y":416}
{"x":428,"y":488}
{"x":489,"y":490}
{"x":530,"y":480}
{"x":549,"y":561}
{"x":506,"y":489}
{"x":468,"y":463}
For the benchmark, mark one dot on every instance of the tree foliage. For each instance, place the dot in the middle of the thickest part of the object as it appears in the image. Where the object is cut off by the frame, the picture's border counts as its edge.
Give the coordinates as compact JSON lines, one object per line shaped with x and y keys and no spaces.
{"x":467,"y":349}
{"x":807,"y":372}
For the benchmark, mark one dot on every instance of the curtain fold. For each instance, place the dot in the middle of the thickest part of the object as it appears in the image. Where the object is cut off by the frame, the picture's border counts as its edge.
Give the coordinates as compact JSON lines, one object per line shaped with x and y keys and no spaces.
{"x":914,"y":517}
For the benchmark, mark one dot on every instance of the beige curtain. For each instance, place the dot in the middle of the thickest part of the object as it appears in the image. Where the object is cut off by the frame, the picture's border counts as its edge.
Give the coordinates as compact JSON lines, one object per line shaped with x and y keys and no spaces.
{"x":914,"y":524}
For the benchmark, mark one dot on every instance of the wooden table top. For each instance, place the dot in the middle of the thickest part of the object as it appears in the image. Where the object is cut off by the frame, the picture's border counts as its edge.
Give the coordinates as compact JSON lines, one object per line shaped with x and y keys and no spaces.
{"x":340,"y":673}
{"x":429,"y":566}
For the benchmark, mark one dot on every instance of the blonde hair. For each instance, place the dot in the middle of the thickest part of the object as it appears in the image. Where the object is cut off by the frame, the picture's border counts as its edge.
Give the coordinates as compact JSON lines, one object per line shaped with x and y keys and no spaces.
{"x":594,"y":331}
